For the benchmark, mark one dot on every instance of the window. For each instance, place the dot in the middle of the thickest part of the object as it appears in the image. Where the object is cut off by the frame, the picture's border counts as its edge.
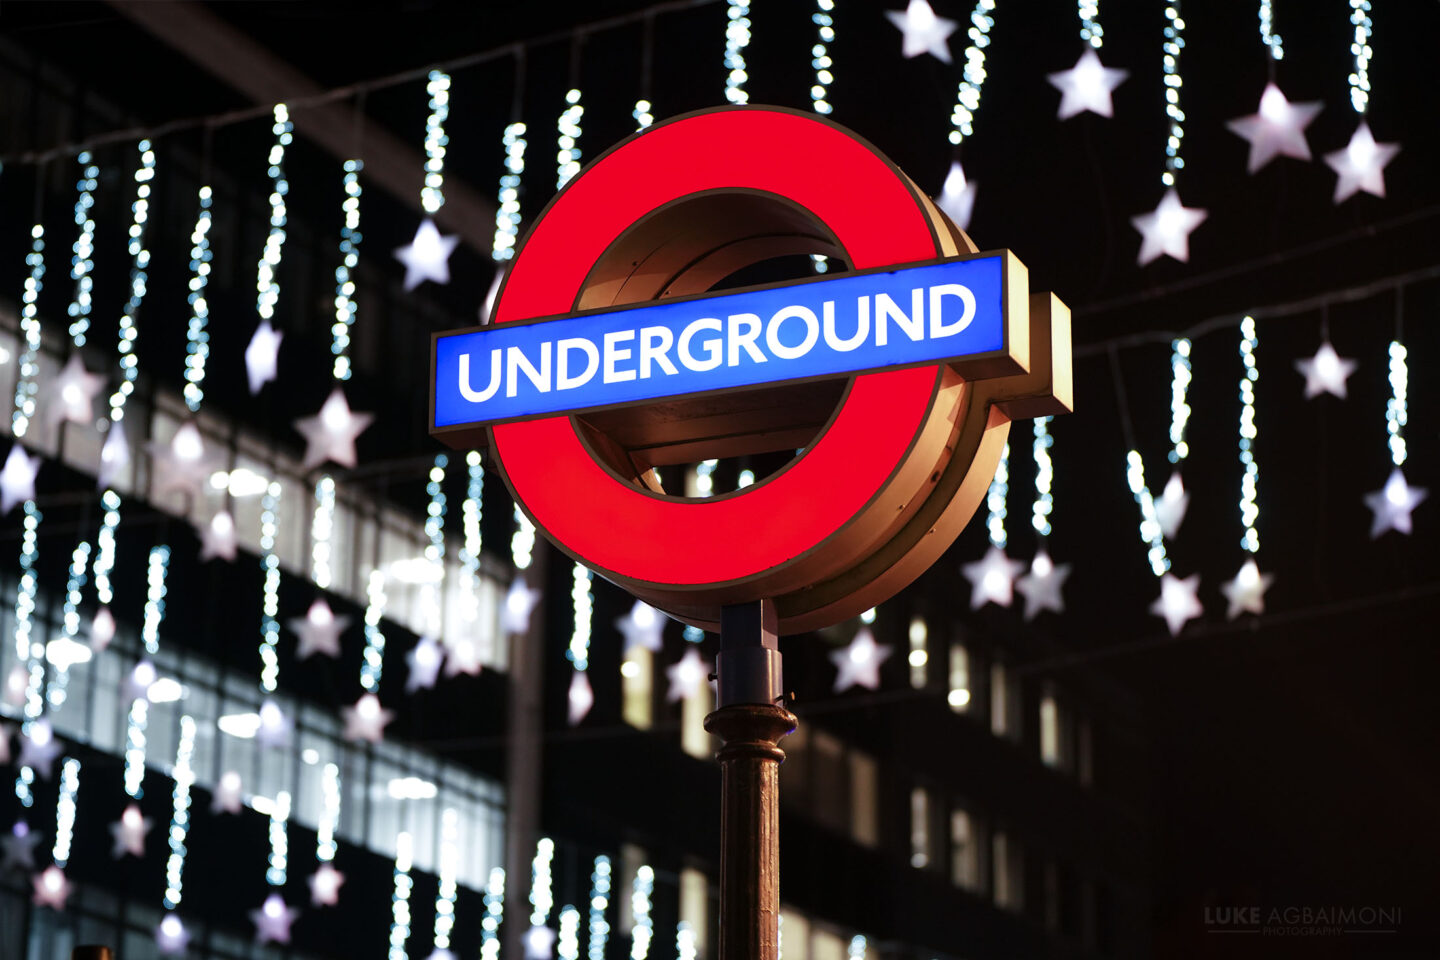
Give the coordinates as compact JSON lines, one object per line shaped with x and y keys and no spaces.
{"x":794,"y":935}
{"x":959,"y":695}
{"x":920,"y":852}
{"x":964,"y":851}
{"x":1008,"y":882}
{"x":694,"y":738}
{"x":919,"y":654}
{"x":637,"y":675}
{"x":695,"y":907}
{"x":1001,"y":705}
{"x":829,"y":781}
{"x":1085,"y":754}
{"x":1049,"y":730}
{"x":864,"y":802}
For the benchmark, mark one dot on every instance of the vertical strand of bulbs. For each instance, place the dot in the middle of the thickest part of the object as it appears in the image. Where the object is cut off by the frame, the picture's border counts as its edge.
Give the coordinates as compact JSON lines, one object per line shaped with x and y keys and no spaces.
{"x":350,"y":238}
{"x":372,"y":660}
{"x":432,"y":195}
{"x":1170,"y":62}
{"x":432,"y":591}
{"x":180,"y":814}
{"x":567,"y":142}
{"x":1249,"y":481}
{"x":197,"y":336}
{"x":824,"y":20}
{"x":995,"y":501}
{"x":29,"y":363}
{"x":270,"y":602}
{"x":1359,"y":79}
{"x":449,"y":889}
{"x":507,"y":207}
{"x":737,"y":38}
{"x":972,"y":82}
{"x":70,"y":626}
{"x":267,"y":284}
{"x":400,"y":899}
{"x":1272,"y":40}
{"x":1397,"y":408}
{"x":29,"y":652}
{"x":599,"y":903}
{"x":494,"y":914}
{"x":641,"y":904}
{"x":82,"y":259}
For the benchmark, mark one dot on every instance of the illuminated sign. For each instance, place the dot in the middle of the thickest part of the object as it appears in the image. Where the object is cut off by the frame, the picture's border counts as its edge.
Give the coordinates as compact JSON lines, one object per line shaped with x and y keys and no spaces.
{"x":615,"y":279}
{"x":948,"y":312}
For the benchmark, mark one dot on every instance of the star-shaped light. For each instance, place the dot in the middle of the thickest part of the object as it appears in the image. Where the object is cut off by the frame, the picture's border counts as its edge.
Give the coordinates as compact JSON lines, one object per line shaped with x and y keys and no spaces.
{"x":366,"y":720}
{"x":1393,"y":503}
{"x":687,"y":676}
{"x":17,"y":478}
{"x":1171,"y":505}
{"x":539,"y":943}
{"x":992,"y":578}
{"x":229,"y":795}
{"x":51,"y":888}
{"x":217,"y":538}
{"x":957,"y":196}
{"x":114,"y":455}
{"x":424,"y":662}
{"x":462,"y":655}
{"x":325,"y":885}
{"x":16,"y":682}
{"x":1278,"y":129}
{"x":129,"y":833}
{"x":1042,"y":586}
{"x":72,"y":393}
{"x":319,"y":631}
{"x":181,"y":465}
{"x":102,"y":629}
{"x":273,"y":919}
{"x":428,"y":256}
{"x":924,"y":31}
{"x":261,"y":357}
{"x":171,"y":937}
{"x":274,"y":729}
{"x":1326,"y":372}
{"x":1166,"y":230}
{"x":1246,"y":593}
{"x":1087,"y":86}
{"x":859,"y":662}
{"x":39,"y":748}
{"x":17,"y":848}
{"x":1177,"y":602}
{"x":643,"y":626}
{"x":519,"y":601}
{"x":331,"y":433}
{"x":580,"y":698}
{"x":1361,"y":165}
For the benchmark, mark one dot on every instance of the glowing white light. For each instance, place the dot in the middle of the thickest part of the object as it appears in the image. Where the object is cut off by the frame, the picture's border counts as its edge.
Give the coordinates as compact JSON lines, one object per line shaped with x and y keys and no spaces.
{"x":824,"y":19}
{"x":599,"y":902}
{"x":737,"y":38}
{"x":411,"y":788}
{"x":322,"y":527}
{"x":541,"y":898}
{"x":522,"y":541}
{"x":28,"y":366}
{"x":995,"y":500}
{"x":64,"y":653}
{"x":270,"y":602}
{"x":568,"y":946}
{"x":507,"y":208}
{"x":1249,"y":510}
{"x":1360,"y":46}
{"x":165,"y":690}
{"x":1180,"y":377}
{"x":435,"y":549}
{"x":856,"y":950}
{"x":1174,"y":43}
{"x":400,"y":899}
{"x":279,"y":841}
{"x":1268,"y":36}
{"x":1044,"y":477}
{"x":242,"y":725}
{"x":82,"y":262}
{"x":432,"y":196}
{"x":958,"y":699}
{"x":640,"y":906}
{"x":685,"y":942}
{"x":494,"y":913}
{"x":448,"y":888}
{"x":65,"y":811}
{"x":1150,"y":531}
{"x":967,"y":99}
{"x":583,"y":604}
{"x":471,"y":512}
{"x":197,"y":346}
{"x":1397,"y":408}
{"x":567,"y":156}
{"x":372,"y":660}
{"x":267,"y":285}
{"x":180,"y":814}
{"x":642,"y":115}
{"x":139,"y":282}
{"x":344,"y":284}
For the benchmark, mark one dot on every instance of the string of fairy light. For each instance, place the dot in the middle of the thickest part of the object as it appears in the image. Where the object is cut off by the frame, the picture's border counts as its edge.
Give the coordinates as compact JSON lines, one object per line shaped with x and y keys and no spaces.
{"x":400,"y":899}
{"x":197,"y":337}
{"x":1170,"y":62}
{"x":28,"y":364}
{"x":184,"y":776}
{"x":599,"y":928}
{"x":70,"y":627}
{"x":737,"y":38}
{"x":1150,"y":529}
{"x":1250,"y":479}
{"x":449,"y":889}
{"x":82,"y":260}
{"x":471,"y":514}
{"x":542,"y":898}
{"x":1359,"y":79}
{"x":567,"y":141}
{"x":1090,"y":30}
{"x":1272,"y":40}
{"x":582,"y":600}
{"x":325,"y":845}
{"x":270,"y":601}
{"x":1397,"y":413}
{"x":372,"y":658}
{"x":1044,"y":503}
{"x":432,"y":196}
{"x":350,"y":238}
{"x":972,"y":82}
{"x":995,"y":500}
{"x":29,"y":652}
{"x":567,"y":946}
{"x":65,"y":807}
{"x":494,"y":913}
{"x":507,"y":207}
{"x":641,"y":905}
{"x":820,"y":60}
{"x":143,"y":675}
{"x":267,"y":282}
{"x":322,"y":529}
{"x":435,"y":512}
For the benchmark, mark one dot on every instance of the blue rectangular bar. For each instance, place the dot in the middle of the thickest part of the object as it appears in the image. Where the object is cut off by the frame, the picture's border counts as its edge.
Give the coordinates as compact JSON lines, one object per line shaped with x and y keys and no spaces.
{"x":828,"y":327}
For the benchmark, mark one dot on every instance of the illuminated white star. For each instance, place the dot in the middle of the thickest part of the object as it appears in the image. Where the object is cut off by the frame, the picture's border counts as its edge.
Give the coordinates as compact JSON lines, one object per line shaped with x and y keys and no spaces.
{"x":1166,"y":230}
{"x":428,"y":256}
{"x":643,"y":626}
{"x":52,"y":889}
{"x":217,"y":538}
{"x":102,"y":629}
{"x":181,"y":465}
{"x":229,"y":796}
{"x":1361,"y":165}
{"x":424,"y":662}
{"x":687,"y":676}
{"x":580,"y":698}
{"x":325,"y":885}
{"x":114,"y":455}
{"x":274,"y":729}
{"x":992,"y":578}
{"x":366,"y":720}
{"x":957,"y":196}
{"x":39,"y":748}
{"x":1171,"y":505}
{"x":331,"y":433}
{"x":1246,"y":593}
{"x":319,"y":631}
{"x":519,"y":601}
{"x":262,"y":356}
{"x":923,"y":31}
{"x":1278,"y":129}
{"x":1393,"y":503}
{"x":273,"y":919}
{"x":1042,"y":586}
{"x":462,"y":655}
{"x":17,"y":848}
{"x":17,"y":478}
{"x":171,"y":937}
{"x":539,"y":943}
{"x":72,"y":393}
{"x":858,"y":663}
{"x":1177,"y":602}
{"x":1087,"y":86}
{"x":1326,"y":372}
{"x":129,"y":833}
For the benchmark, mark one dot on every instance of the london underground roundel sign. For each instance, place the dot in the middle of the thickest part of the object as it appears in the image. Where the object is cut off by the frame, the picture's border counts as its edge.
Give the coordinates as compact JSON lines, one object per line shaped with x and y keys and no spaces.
{"x":609,"y":355}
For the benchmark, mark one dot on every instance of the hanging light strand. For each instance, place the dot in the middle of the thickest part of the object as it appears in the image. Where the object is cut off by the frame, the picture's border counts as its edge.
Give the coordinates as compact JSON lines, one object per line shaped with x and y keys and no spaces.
{"x":105,"y":545}
{"x":967,"y":98}
{"x":1397,"y":410}
{"x":583,"y":604}
{"x":567,"y":155}
{"x":737,"y":38}
{"x":350,"y":238}
{"x":65,"y":811}
{"x":270,"y":603}
{"x":449,"y":888}
{"x":400,"y":899}
{"x":180,"y":816}
{"x":29,"y":652}
{"x":1268,"y":36}
{"x":494,"y":913}
{"x":471,"y":514}
{"x":1249,"y":510}
{"x":1360,"y":46}
{"x":1150,"y":531}
{"x":824,"y":20}
{"x":522,"y":541}
{"x":599,"y":903}
{"x":432,"y":196}
{"x":1174,"y":43}
{"x":70,"y":623}
{"x":197,"y":338}
{"x":372,"y":660}
{"x":322,"y":529}
{"x":279,"y":861}
{"x":1181,"y":375}
{"x":28,"y":365}
{"x":143,"y":675}
{"x":82,"y":259}
{"x":1090,"y":30}
{"x":995,"y":500}
{"x":325,"y":846}
{"x":641,"y":903}
{"x":1044,"y":477}
{"x":642,"y":114}
{"x":567,"y":945}
{"x":139,"y":282}
{"x":267,"y":285}
{"x":541,"y":896}
{"x":507,"y":208}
